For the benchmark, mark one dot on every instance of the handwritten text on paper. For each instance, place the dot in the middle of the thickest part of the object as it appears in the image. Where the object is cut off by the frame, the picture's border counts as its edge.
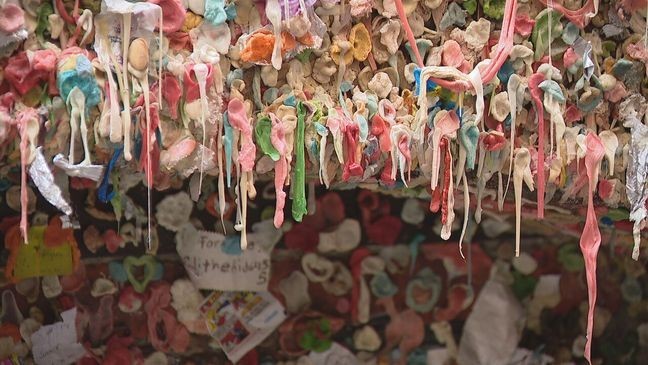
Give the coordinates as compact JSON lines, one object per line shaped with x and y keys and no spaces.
{"x":211,"y":265}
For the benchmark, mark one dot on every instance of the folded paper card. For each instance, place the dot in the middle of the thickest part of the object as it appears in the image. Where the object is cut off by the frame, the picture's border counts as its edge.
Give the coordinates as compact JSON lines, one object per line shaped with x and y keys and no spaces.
{"x":239,"y":321}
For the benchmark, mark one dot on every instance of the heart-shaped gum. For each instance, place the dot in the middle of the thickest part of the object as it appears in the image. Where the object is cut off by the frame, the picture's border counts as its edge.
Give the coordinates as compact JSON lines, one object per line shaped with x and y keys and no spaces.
{"x":151,"y":271}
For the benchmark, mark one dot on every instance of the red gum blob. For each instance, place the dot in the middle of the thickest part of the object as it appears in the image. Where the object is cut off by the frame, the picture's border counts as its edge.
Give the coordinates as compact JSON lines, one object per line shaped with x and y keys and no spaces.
{"x":605,"y":189}
{"x":112,"y":240}
{"x":302,"y":237}
{"x":173,"y":14}
{"x":632,"y":5}
{"x":351,"y":166}
{"x":171,"y":93}
{"x":570,"y":57}
{"x":524,"y":25}
{"x":385,"y":230}
{"x":192,"y":91}
{"x":380,"y":129}
{"x":385,"y":175}
{"x":130,"y":301}
{"x":572,"y":114}
{"x":452,"y":55}
{"x":333,"y":208}
{"x":21,"y":76}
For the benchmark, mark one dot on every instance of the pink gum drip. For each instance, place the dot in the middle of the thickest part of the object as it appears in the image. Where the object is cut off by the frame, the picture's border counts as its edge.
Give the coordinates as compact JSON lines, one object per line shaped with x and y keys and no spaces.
{"x":591,"y":237}
{"x":278,"y":140}
{"x":239,"y":120}
{"x":578,"y":16}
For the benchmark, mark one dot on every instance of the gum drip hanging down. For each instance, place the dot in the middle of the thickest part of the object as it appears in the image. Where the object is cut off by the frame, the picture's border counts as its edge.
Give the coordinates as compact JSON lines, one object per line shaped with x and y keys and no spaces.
{"x":534,"y":82}
{"x":278,"y":140}
{"x":521,"y":172}
{"x":125,"y":91}
{"x":239,"y":120}
{"x":159,"y":98}
{"x":461,"y":177}
{"x":447,"y":204}
{"x":299,"y":202}
{"x":590,"y":240}
{"x":148,"y":140}
{"x":22,"y":121}
{"x":221,"y":179}
{"x":201,"y":72}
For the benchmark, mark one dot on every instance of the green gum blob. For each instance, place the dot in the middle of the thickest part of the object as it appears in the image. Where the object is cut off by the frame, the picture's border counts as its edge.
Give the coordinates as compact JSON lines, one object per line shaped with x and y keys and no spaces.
{"x":42,"y":19}
{"x":523,"y":285}
{"x":92,"y":5}
{"x":570,"y":257}
{"x":608,"y":48}
{"x":493,"y":8}
{"x":540,"y":34}
{"x":262,"y":131}
{"x":304,"y":56}
{"x":470,"y":6}
{"x":618,"y":214}
{"x":447,"y":95}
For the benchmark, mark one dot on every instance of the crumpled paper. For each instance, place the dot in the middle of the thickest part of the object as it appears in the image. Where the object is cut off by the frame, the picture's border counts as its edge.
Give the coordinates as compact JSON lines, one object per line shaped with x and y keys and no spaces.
{"x":584,"y":49}
{"x":494,"y":328}
{"x":92,"y":172}
{"x":636,"y":180}
{"x":42,"y":176}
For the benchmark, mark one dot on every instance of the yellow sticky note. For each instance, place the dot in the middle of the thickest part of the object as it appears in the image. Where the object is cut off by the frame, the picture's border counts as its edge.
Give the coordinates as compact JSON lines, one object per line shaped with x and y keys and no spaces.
{"x":35,"y":259}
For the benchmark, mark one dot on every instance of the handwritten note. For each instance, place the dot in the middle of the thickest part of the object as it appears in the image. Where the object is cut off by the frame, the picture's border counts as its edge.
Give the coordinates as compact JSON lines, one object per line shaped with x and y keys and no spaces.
{"x":57,"y":343}
{"x":36,"y":259}
{"x":239,"y":321}
{"x":216,"y":262}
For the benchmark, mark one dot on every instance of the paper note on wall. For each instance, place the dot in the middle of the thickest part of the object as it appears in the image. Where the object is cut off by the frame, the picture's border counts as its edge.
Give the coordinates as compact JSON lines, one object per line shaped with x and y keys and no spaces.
{"x":239,"y":321}
{"x":36,"y":259}
{"x":57,"y":344}
{"x":216,"y":262}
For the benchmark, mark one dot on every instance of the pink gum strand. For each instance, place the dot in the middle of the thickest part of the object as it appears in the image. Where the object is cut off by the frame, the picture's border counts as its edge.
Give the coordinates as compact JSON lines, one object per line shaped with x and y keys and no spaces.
{"x":239,"y":120}
{"x":24,"y":150}
{"x":506,"y":39}
{"x":591,"y":237}
{"x":578,"y":16}
{"x":22,"y":121}
{"x":278,"y":140}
